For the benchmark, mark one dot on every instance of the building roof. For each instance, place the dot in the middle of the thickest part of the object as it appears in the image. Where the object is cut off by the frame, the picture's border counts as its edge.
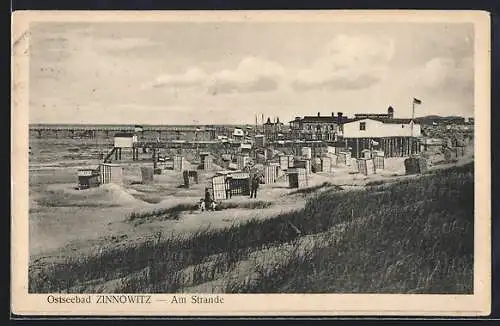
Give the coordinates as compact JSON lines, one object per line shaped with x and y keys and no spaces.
{"x":395,"y":121}
{"x":374,"y":115}
{"x":124,"y":134}
{"x":323,"y":119}
{"x":383,"y":120}
{"x":318,"y":119}
{"x":335,"y":119}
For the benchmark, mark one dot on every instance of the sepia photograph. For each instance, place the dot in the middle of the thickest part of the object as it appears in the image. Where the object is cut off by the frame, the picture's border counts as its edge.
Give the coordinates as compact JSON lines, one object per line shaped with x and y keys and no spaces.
{"x":229,"y":155}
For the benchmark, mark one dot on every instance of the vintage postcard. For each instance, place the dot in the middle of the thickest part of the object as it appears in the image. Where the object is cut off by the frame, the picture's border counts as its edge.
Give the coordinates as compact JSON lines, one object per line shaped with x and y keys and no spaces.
{"x":250,"y":163}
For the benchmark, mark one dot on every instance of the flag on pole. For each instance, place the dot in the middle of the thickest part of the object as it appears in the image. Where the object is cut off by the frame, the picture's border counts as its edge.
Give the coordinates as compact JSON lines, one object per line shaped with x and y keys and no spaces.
{"x":416,"y":101}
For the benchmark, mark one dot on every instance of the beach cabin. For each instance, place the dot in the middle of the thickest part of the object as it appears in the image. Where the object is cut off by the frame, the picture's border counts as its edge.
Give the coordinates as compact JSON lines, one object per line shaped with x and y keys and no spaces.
{"x":88,"y":178}
{"x":111,"y":173}
{"x":125,"y":140}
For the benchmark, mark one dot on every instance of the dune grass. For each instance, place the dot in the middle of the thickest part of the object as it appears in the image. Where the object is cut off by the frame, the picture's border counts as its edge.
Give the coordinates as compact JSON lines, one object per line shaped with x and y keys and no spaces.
{"x":413,"y":236}
{"x":148,"y":198}
{"x":309,"y":190}
{"x":258,"y":204}
{"x":60,"y":198}
{"x":163,"y":213}
{"x":173,"y":213}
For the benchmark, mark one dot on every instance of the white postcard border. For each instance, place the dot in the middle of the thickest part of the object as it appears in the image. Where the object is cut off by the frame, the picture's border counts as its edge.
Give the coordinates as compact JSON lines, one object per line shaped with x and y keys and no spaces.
{"x":256,"y":304}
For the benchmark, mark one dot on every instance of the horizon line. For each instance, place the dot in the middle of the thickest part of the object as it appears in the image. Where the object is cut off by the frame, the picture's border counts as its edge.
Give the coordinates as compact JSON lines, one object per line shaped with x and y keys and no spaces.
{"x":200,"y":124}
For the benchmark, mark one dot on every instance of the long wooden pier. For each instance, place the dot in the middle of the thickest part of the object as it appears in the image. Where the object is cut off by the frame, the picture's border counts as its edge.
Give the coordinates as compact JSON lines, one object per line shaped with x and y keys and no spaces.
{"x":121,"y":128}
{"x":205,"y":132}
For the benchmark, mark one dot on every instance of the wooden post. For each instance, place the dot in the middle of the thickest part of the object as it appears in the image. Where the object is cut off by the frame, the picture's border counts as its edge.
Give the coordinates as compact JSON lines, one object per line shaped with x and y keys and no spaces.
{"x":154,"y":157}
{"x":357,"y":147}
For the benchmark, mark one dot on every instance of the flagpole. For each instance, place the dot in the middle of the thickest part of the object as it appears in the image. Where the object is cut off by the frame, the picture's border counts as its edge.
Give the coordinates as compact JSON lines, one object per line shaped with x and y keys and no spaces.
{"x":412,"y":118}
{"x":256,"y":124}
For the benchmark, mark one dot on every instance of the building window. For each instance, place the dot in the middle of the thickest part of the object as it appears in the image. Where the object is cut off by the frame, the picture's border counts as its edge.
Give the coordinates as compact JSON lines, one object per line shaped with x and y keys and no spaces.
{"x":362,"y":126}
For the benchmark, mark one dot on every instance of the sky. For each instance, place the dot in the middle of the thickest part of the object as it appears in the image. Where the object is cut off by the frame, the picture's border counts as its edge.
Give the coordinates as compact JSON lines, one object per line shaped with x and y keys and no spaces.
{"x":229,"y":72}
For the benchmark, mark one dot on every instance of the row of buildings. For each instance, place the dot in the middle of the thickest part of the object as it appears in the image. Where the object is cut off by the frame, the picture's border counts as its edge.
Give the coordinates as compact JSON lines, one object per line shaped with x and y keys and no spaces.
{"x":335,"y":127}
{"x":395,"y":136}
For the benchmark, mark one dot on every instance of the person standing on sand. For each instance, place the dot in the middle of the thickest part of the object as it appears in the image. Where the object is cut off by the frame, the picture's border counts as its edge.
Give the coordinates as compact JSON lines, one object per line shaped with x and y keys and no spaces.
{"x":229,"y":193}
{"x":254,"y":185}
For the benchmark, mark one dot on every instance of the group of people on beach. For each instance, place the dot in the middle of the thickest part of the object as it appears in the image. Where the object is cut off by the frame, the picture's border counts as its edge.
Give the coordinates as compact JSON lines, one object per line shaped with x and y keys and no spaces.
{"x":208,"y":203}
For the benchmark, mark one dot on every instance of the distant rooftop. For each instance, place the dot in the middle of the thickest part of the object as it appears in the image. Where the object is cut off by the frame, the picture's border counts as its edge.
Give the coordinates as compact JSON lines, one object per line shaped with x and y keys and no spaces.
{"x":124,"y":134}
